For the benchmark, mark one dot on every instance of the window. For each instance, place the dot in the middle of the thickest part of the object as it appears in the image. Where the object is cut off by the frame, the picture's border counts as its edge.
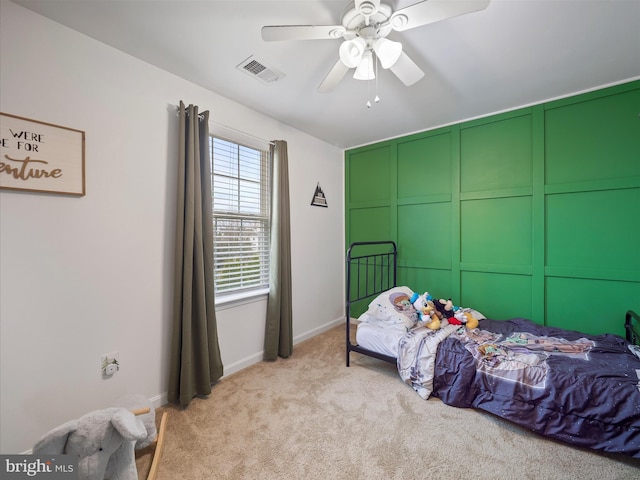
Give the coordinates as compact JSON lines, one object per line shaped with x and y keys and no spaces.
{"x":241,"y":209}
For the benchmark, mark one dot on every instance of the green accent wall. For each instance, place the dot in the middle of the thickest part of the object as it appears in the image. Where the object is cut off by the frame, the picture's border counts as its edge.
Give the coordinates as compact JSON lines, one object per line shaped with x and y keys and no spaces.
{"x":533,"y":213}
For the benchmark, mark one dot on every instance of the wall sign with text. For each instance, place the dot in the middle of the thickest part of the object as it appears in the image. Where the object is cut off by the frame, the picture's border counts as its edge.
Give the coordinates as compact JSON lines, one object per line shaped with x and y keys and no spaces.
{"x":40,"y":157}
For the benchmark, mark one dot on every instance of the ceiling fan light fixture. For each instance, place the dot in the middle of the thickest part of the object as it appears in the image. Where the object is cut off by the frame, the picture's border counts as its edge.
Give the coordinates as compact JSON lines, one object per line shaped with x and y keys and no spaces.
{"x":364,"y":71}
{"x":351,"y":51}
{"x":387,"y":51}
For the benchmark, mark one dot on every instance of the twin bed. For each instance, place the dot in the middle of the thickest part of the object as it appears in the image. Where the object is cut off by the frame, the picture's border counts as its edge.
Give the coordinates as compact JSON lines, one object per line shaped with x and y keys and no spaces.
{"x":577,"y":388}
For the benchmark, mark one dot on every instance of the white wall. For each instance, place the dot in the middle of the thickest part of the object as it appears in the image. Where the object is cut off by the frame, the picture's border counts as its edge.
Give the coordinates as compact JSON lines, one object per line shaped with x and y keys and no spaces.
{"x":83,"y":276}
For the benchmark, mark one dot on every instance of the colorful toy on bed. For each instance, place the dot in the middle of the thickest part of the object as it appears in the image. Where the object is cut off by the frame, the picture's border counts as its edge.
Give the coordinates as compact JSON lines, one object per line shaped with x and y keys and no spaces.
{"x":426,"y":310}
{"x":445,"y":308}
{"x":455,"y":315}
{"x":465,"y":318}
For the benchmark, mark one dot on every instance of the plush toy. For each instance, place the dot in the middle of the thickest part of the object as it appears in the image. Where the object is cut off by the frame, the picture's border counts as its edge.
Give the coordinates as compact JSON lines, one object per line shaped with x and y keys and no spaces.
{"x":472,"y":322}
{"x":417,"y":301}
{"x":462,"y":317}
{"x":445,"y":307}
{"x":143,"y":409}
{"x":426,"y":310}
{"x":454,"y":314}
{"x":431,"y":320}
{"x":103,"y":441}
{"x":458,"y":318}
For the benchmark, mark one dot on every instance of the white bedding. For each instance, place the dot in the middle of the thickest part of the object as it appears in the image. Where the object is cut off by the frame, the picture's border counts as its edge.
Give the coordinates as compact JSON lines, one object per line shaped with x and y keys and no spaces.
{"x":415,"y":351}
{"x":378,"y":338}
{"x":417,"y":357}
{"x":383,"y":335}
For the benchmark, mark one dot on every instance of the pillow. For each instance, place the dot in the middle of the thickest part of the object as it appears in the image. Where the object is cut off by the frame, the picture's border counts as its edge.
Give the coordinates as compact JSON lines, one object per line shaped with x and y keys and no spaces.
{"x":392,"y":309}
{"x":475,"y":313}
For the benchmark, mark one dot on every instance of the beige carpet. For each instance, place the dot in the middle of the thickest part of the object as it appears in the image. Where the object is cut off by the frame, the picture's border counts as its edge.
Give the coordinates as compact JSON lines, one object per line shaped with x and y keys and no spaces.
{"x":310,"y":417}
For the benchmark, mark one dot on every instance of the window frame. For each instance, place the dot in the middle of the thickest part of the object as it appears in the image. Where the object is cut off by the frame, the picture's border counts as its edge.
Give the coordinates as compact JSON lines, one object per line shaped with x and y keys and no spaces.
{"x":241,"y":295}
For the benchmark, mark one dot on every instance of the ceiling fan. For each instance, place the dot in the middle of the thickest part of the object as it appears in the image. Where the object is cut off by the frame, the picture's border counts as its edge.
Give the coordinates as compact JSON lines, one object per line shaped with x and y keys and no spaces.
{"x":364,"y":28}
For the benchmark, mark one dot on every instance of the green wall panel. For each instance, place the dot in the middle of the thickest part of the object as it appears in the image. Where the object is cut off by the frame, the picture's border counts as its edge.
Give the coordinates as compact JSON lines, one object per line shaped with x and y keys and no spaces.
{"x":436,"y":282}
{"x":370,"y":224}
{"x":593,"y":140}
{"x":369,"y":174}
{"x":590,"y":306}
{"x":496,"y":155}
{"x":594,"y":230}
{"x":424,"y":166}
{"x":425,"y":231}
{"x":499,"y":296}
{"x":496,"y":231}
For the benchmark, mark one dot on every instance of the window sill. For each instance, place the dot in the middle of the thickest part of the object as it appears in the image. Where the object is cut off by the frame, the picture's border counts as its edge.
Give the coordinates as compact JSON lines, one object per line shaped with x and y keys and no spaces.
{"x":230,"y":300}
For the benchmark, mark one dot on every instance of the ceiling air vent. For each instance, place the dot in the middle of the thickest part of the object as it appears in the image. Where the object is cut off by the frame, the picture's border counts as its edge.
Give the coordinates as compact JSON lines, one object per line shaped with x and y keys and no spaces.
{"x":260,"y":70}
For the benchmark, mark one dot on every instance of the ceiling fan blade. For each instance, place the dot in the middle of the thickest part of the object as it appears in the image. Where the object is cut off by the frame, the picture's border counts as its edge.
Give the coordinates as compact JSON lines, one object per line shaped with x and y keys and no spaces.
{"x":332,"y":79}
{"x":406,"y":70}
{"x":302,"y":32}
{"x":431,"y":11}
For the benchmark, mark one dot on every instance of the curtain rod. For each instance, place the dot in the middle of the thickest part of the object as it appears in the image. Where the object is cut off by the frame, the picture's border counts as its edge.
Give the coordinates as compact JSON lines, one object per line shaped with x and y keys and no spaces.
{"x":239,"y":132}
{"x":235,"y":130}
{"x":200,"y":115}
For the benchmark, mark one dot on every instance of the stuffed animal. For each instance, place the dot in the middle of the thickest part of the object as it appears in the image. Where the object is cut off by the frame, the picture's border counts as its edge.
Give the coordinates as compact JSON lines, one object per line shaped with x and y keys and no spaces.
{"x":462,"y":317}
{"x":417,"y":301}
{"x":472,"y":322}
{"x":454,"y":314}
{"x":446,"y":308}
{"x":103,"y":441}
{"x":431,"y":320}
{"x":143,"y":409}
{"x":426,"y":310}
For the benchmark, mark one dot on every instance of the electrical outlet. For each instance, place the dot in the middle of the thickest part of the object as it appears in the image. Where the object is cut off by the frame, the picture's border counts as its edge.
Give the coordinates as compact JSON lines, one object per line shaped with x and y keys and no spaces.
{"x":109,"y":363}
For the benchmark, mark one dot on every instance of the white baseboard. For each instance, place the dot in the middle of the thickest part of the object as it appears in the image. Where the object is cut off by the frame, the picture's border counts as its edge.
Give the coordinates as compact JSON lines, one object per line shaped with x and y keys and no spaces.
{"x":159,"y":400}
{"x":235,"y":367}
{"x":317,"y":331}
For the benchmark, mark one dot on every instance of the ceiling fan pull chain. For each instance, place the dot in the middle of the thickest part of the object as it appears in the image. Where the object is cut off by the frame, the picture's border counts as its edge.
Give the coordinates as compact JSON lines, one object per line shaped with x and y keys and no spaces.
{"x":377,"y":98}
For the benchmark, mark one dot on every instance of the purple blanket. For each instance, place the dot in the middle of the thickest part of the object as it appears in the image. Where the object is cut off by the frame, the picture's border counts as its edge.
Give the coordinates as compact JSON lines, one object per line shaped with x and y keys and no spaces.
{"x":577,"y":388}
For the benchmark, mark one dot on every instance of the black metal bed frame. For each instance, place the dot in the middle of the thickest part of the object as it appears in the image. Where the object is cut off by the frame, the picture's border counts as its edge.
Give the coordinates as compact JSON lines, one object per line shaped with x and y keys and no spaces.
{"x":631,"y":329}
{"x":368,"y":275}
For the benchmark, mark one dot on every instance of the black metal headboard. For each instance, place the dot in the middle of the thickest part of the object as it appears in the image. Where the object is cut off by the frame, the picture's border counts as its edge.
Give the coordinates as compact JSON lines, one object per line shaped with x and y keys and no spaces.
{"x":631,"y":326}
{"x":371,"y":270}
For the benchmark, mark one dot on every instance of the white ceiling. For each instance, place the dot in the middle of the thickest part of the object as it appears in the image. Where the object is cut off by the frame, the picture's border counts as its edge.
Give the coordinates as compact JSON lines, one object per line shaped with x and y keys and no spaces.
{"x":514,"y":53}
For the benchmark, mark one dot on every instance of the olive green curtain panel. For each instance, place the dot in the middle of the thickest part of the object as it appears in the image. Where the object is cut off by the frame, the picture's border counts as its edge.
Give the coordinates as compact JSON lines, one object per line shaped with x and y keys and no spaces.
{"x":278,"y":339}
{"x":195,"y":353}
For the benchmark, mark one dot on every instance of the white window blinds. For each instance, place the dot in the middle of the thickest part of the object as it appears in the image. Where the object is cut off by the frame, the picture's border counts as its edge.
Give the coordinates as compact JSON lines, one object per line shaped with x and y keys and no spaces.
{"x":241,"y":209}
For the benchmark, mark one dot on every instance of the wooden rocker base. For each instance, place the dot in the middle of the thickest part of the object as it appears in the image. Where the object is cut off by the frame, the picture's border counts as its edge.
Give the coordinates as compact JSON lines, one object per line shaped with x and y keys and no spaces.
{"x":157,"y":444}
